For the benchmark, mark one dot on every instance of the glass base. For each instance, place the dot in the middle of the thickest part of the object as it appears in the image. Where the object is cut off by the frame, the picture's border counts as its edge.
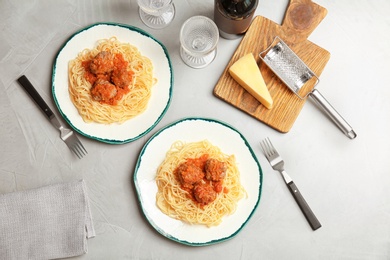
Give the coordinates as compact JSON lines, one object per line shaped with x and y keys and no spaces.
{"x":197,"y":62}
{"x":158,"y":22}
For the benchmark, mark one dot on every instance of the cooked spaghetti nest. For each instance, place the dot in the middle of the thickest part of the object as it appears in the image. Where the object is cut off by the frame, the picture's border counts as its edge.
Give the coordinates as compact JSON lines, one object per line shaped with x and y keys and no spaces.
{"x":175,"y":202}
{"x":132,"y":103}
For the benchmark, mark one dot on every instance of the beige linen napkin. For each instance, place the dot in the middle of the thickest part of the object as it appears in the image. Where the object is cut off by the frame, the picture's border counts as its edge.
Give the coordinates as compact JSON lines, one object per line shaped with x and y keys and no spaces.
{"x":45,"y":223}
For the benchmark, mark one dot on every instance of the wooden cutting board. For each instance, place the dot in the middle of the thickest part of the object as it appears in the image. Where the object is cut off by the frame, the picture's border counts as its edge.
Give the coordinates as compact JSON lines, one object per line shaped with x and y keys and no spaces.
{"x":300,"y":20}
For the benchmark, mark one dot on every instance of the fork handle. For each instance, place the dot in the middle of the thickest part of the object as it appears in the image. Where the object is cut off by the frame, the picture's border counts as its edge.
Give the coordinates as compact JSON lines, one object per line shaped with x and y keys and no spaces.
{"x":311,"y":218}
{"x":26,"y":84}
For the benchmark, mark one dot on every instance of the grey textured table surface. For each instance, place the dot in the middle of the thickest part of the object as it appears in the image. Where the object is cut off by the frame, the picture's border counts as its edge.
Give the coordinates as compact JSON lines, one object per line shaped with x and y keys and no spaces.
{"x":345,"y":182}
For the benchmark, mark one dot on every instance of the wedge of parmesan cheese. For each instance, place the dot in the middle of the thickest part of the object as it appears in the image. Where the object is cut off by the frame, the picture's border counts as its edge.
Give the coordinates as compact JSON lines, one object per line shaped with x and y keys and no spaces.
{"x":246,"y":72}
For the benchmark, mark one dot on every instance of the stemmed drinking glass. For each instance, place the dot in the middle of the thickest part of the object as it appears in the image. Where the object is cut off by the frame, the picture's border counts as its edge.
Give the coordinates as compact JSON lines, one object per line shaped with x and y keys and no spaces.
{"x":156,"y":14}
{"x":198,"y":41}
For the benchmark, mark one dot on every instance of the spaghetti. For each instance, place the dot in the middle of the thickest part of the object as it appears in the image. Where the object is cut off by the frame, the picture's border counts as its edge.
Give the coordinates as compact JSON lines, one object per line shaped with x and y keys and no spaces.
{"x":177,"y":200}
{"x":130,"y":103}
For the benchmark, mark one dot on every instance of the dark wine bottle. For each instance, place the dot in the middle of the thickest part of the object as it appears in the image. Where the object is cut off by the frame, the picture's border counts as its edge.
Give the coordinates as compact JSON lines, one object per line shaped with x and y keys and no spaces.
{"x":233,"y":17}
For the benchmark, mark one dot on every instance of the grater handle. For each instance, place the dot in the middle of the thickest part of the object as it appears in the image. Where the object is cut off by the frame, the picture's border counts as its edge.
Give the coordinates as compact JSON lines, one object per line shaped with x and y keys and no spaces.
{"x":333,"y":114}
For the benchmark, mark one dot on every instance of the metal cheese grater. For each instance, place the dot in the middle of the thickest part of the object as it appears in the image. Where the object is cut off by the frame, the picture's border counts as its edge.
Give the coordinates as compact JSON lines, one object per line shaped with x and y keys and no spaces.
{"x":295,"y":74}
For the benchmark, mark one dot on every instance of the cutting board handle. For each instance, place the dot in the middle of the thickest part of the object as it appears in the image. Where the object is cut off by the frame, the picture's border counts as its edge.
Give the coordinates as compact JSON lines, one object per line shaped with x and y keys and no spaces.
{"x":301,"y":18}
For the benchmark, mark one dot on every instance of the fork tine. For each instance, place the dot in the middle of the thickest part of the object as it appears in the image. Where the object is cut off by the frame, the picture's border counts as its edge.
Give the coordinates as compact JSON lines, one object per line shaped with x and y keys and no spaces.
{"x":79,"y":149}
{"x":76,"y":146}
{"x":76,"y":152}
{"x":266,"y":145}
{"x":264,"y":148}
{"x":271,"y":148}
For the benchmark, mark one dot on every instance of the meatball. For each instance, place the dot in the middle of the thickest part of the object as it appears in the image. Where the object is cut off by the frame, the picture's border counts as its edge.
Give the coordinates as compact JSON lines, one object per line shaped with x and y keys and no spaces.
{"x":102,"y":63}
{"x":215,"y":170}
{"x":189,"y":173}
{"x":103,"y":90}
{"x":204,"y":193}
{"x":121,"y":78}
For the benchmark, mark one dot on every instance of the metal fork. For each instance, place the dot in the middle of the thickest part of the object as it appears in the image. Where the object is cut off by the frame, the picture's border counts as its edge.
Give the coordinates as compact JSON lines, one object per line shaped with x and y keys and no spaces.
{"x":277,"y":164}
{"x":67,"y":135}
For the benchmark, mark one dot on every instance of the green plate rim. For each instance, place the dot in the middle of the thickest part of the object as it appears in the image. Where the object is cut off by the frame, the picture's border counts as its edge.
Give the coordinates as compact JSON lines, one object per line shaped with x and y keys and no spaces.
{"x":135,"y":180}
{"x":105,"y":140}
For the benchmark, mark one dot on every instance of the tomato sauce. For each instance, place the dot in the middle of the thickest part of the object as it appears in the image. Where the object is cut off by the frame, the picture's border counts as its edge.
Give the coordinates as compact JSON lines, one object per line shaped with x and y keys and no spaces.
{"x":200,"y":162}
{"x":119,"y":76}
{"x":200,"y":189}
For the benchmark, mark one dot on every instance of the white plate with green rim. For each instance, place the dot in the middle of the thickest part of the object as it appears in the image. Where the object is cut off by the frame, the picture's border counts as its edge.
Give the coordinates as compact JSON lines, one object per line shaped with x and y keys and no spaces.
{"x":159,"y":102}
{"x":230,"y":141}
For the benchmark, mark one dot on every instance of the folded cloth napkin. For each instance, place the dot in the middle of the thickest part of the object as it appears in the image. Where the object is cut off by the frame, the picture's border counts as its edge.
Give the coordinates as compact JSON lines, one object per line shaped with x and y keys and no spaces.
{"x":45,"y":223}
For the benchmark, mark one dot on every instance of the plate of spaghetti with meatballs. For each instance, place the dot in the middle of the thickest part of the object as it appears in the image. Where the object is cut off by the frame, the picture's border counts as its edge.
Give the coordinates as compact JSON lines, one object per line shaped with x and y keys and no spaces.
{"x":198,"y":181}
{"x":112,"y":82}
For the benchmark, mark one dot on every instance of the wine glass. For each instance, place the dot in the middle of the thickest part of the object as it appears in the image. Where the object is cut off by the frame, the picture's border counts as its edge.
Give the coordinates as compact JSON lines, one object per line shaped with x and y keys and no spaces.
{"x":156,"y":14}
{"x":198,"y":41}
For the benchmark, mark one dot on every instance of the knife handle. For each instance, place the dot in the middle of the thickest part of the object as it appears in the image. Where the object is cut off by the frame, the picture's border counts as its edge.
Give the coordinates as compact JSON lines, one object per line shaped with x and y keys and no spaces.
{"x":311,"y":218}
{"x":26,"y":84}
